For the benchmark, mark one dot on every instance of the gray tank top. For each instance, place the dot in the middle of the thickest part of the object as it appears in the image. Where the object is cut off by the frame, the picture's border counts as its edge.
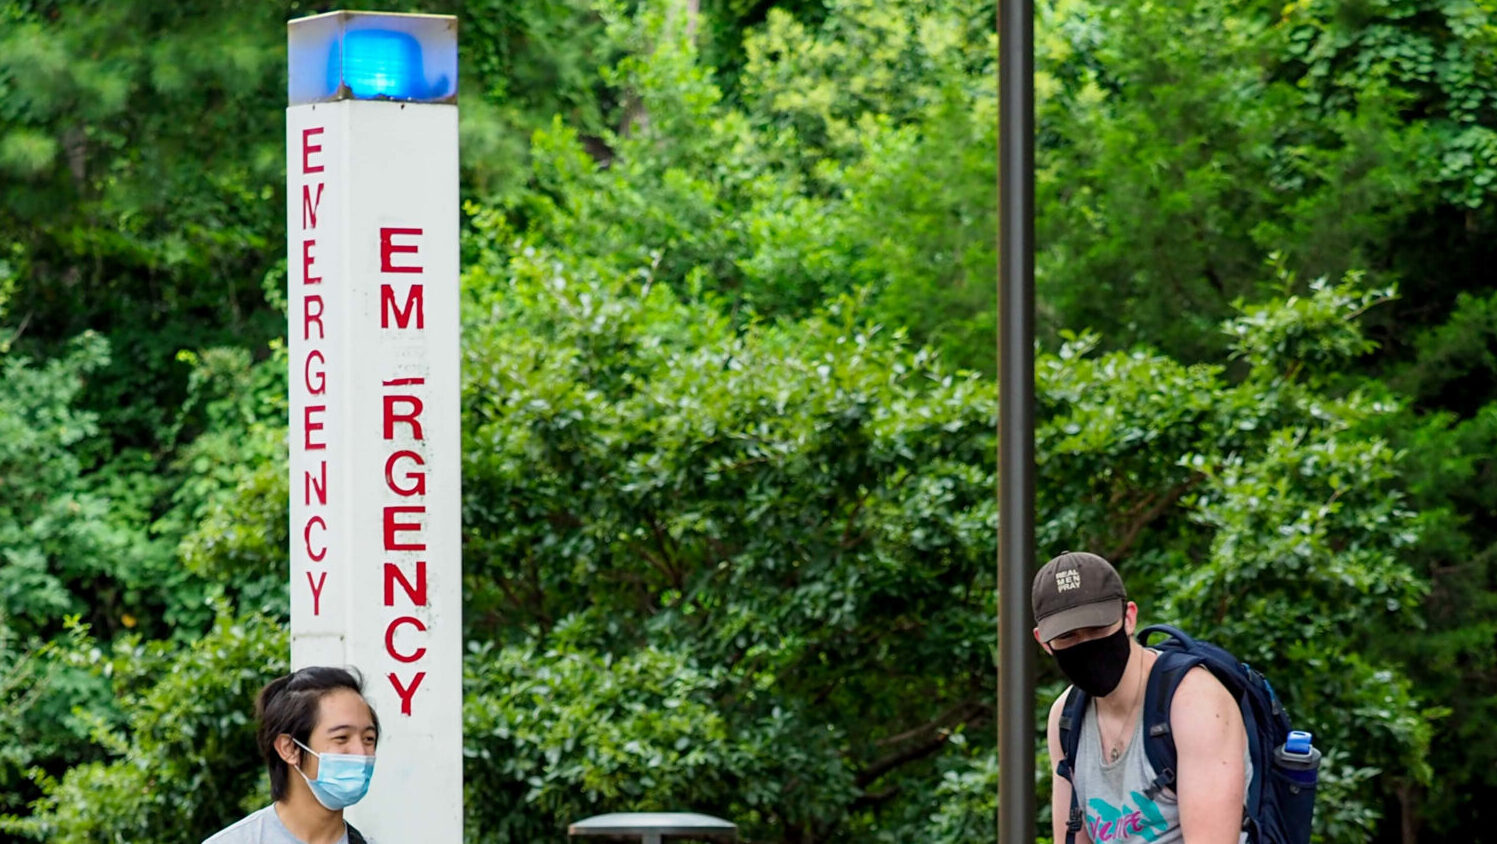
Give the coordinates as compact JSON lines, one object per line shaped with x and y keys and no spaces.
{"x":1111,"y":795}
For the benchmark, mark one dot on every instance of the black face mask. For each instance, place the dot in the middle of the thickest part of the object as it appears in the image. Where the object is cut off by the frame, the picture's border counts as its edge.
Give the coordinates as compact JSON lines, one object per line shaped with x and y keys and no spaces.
{"x":1096,"y":666}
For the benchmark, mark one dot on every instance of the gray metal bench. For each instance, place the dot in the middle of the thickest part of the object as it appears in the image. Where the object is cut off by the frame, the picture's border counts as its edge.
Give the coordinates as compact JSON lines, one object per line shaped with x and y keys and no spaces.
{"x":656,"y":827}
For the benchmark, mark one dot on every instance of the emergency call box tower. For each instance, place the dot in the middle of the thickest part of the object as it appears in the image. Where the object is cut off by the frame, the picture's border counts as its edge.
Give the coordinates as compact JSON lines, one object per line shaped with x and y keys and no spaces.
{"x":372,"y":305}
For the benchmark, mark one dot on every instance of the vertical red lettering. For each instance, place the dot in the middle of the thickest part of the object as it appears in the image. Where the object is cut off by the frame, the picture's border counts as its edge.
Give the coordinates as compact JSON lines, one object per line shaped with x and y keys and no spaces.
{"x":317,"y":591}
{"x":388,"y":249}
{"x":314,"y":554}
{"x":391,"y":417}
{"x":309,"y":317}
{"x":390,"y":638}
{"x":320,"y":374}
{"x":307,"y":260}
{"x":309,"y":206}
{"x":393,"y":526}
{"x":416,"y":593}
{"x":406,"y":693}
{"x":310,"y":426}
{"x":307,"y":148}
{"x":312,"y":486}
{"x":417,"y":480}
{"x":414,"y":301}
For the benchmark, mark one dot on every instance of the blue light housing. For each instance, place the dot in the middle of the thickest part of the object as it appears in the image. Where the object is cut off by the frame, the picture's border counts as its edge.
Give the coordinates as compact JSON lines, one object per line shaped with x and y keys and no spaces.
{"x":380,"y":64}
{"x":372,"y":56}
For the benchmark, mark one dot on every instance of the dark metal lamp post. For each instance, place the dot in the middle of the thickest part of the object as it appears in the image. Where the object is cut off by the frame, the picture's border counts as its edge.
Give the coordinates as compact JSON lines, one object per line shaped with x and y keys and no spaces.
{"x":1016,"y":803}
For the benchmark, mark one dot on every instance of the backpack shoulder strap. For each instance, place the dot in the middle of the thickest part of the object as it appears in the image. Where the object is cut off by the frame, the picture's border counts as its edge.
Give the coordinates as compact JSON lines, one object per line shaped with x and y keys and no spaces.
{"x":1071,"y":714}
{"x":1159,"y":742}
{"x":354,"y":836}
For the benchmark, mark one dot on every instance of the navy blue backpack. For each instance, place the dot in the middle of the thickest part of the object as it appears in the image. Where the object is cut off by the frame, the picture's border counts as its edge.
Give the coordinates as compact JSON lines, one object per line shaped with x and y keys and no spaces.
{"x":1281,"y":797}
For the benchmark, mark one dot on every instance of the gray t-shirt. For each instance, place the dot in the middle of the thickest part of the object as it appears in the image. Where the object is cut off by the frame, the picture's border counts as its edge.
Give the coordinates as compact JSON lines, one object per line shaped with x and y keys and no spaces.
{"x":263,"y":827}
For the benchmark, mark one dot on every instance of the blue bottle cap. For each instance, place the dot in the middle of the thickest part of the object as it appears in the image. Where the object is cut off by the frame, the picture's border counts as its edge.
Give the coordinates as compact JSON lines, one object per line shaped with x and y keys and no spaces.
{"x":1298,"y":742}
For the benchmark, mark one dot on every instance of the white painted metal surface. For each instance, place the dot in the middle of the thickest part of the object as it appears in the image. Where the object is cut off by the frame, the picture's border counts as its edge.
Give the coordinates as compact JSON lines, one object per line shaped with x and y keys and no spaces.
{"x":656,"y":827}
{"x":372,"y":298}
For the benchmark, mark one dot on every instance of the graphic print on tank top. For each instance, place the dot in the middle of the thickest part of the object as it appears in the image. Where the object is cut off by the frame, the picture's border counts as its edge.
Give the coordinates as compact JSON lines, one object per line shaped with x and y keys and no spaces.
{"x":1112,"y":796}
{"x":1143,"y":818}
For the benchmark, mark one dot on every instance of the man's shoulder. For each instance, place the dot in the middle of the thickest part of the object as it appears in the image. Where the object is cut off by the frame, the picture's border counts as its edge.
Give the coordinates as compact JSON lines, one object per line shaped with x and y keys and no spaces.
{"x":1196,"y":683}
{"x":247,"y":830}
{"x":1202,"y":702}
{"x":1199,"y":684}
{"x":1059,"y":706}
{"x":1060,"y":701}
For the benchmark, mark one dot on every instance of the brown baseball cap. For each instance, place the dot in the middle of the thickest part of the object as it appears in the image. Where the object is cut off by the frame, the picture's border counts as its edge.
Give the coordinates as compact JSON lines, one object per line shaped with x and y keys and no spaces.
{"x":1076,"y":590}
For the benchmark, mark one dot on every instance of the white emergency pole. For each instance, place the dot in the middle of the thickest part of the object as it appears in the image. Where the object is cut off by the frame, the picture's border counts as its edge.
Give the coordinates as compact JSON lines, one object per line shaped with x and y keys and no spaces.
{"x":372,"y":300}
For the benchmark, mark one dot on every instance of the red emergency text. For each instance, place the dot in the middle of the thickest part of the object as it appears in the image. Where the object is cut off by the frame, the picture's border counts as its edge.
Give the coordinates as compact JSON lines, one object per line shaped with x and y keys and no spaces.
{"x":313,"y":442}
{"x":403,"y":521}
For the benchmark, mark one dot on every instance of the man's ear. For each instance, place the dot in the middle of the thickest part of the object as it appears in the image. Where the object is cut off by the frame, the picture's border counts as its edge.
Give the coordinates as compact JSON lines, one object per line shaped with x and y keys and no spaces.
{"x":1130,"y":618}
{"x":289,"y":752}
{"x":1042,"y":643}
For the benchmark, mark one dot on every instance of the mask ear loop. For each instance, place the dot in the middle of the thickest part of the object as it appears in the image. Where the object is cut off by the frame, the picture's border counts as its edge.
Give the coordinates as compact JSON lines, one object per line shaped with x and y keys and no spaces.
{"x":301,"y":759}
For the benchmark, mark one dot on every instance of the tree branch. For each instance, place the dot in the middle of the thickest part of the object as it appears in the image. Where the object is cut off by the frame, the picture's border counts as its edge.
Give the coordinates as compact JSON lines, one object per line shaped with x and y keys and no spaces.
{"x":953,"y":715}
{"x":964,"y":714}
{"x":1154,"y":512}
{"x":914,"y":753}
{"x":874,"y":799}
{"x":852,"y":518}
{"x":659,"y":564}
{"x":668,"y":554}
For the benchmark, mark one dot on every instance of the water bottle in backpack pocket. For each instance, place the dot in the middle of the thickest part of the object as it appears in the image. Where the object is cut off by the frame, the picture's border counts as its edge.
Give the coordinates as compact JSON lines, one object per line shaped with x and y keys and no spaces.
{"x":1296,"y":773}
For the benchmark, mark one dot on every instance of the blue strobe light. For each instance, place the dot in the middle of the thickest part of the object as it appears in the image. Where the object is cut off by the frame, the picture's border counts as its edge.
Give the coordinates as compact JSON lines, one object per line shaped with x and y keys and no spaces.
{"x":371,"y":56}
{"x":380,"y":64}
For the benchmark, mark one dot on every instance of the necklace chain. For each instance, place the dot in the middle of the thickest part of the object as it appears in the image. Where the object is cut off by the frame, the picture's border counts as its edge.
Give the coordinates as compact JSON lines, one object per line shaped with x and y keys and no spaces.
{"x":1115,"y":747}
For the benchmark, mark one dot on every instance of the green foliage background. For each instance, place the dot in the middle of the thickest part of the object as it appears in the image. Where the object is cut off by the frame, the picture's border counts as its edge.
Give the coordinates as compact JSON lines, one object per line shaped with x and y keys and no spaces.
{"x":728,"y":407}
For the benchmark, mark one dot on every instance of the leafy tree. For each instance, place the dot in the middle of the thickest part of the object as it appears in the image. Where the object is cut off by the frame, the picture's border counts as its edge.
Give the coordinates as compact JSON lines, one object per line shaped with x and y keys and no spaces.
{"x":186,"y":755}
{"x":229,"y":511}
{"x":72,"y":542}
{"x":1449,"y":477}
{"x":856,"y":154}
{"x":1439,"y":57}
{"x":38,"y":690}
{"x":1172,"y":156}
{"x":130,"y":214}
{"x":805,"y":511}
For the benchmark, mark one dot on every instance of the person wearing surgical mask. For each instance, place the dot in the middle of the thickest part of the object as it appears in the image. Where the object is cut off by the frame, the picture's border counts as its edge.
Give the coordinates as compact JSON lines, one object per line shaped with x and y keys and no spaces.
{"x":317,"y":735}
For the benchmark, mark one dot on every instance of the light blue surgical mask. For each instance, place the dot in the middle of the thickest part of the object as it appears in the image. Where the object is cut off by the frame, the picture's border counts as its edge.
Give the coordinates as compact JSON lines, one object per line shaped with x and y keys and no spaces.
{"x":342,"y":778}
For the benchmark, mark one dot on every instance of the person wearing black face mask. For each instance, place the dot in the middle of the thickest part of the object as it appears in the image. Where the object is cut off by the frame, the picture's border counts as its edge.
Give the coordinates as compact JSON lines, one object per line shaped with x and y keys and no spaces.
{"x":1083,"y":619}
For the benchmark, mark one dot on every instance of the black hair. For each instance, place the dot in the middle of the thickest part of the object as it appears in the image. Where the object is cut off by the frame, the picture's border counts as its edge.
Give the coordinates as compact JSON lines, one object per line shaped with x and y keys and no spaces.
{"x":289,"y":705}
